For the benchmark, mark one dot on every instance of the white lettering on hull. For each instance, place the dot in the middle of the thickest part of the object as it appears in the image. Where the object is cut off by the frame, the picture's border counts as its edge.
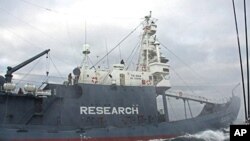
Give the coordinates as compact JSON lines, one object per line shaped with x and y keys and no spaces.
{"x":109,"y":110}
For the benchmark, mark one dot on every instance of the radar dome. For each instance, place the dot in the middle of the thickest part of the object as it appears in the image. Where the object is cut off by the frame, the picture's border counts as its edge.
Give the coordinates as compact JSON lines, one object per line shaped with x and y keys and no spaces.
{"x":86,"y":49}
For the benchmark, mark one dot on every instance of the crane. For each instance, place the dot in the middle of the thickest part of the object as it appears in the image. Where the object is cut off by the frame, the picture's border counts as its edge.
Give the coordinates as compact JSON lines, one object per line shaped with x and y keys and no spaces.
{"x":11,"y":70}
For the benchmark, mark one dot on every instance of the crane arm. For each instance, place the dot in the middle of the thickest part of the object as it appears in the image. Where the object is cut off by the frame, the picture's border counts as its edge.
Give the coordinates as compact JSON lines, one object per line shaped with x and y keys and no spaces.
{"x":10,"y":70}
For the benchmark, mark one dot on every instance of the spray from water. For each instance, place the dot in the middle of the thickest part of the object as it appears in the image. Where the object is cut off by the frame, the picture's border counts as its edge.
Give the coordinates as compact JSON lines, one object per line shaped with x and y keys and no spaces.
{"x":208,"y":135}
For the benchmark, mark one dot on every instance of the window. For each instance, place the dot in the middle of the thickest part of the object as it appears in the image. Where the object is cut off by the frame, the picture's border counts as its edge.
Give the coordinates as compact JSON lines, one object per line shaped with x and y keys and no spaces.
{"x":165,"y":70}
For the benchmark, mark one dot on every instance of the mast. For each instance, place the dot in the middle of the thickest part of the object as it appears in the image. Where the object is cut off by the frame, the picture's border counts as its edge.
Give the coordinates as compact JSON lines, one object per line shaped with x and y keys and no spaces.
{"x":85,"y":52}
{"x":149,"y":46}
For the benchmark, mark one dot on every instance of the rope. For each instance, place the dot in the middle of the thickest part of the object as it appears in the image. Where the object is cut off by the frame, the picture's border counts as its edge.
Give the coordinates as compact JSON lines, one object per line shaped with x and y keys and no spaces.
{"x":192,"y":70}
{"x":117,"y":45}
{"x":183,"y":81}
{"x":30,"y":25}
{"x":120,"y":53}
{"x":29,"y":71}
{"x":241,"y":67}
{"x":56,"y":68}
{"x":11,"y":30}
{"x":127,"y":60}
{"x":47,"y":68}
{"x":90,"y":61}
{"x":38,"y":75}
{"x":245,"y":15}
{"x":25,"y":80}
{"x":41,"y":7}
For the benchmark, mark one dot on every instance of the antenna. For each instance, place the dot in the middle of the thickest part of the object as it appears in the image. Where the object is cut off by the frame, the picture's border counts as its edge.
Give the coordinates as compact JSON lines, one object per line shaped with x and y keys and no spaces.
{"x":106,"y":45}
{"x":85,"y":32}
{"x":149,"y":16}
{"x":86,"y":50}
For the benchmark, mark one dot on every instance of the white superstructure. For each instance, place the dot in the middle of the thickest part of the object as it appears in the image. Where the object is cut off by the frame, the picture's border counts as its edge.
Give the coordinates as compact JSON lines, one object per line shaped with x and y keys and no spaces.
{"x":152,"y":69}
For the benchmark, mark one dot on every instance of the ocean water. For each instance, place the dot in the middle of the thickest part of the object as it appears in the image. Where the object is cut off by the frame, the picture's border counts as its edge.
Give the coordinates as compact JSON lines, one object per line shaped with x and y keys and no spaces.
{"x":208,"y":135}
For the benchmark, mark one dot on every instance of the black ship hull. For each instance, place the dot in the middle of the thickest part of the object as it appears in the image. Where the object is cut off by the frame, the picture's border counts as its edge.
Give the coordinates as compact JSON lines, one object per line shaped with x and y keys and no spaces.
{"x":114,"y":104}
{"x":59,"y":117}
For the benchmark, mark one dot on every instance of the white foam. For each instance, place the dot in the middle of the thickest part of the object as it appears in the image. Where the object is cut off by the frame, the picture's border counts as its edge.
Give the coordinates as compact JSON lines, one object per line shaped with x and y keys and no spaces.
{"x":210,"y":135}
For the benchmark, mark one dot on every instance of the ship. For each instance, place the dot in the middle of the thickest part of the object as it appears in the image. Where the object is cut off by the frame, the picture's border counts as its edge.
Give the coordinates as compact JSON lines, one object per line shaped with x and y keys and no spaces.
{"x":106,"y":104}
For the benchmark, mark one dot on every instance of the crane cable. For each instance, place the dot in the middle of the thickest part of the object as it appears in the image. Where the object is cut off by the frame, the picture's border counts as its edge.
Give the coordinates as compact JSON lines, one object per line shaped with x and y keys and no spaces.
{"x":132,"y":54}
{"x":26,"y":74}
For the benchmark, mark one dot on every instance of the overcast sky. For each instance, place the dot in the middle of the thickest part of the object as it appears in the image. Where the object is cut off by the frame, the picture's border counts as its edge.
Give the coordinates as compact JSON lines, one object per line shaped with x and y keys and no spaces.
{"x":200,"y":32}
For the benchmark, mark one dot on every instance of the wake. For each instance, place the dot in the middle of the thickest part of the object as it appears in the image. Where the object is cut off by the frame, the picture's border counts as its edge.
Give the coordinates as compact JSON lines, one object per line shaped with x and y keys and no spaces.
{"x":208,"y":135}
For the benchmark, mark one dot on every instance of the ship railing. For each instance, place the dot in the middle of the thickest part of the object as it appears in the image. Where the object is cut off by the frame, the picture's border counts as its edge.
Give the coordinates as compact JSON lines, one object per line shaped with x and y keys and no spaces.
{"x":201,"y":99}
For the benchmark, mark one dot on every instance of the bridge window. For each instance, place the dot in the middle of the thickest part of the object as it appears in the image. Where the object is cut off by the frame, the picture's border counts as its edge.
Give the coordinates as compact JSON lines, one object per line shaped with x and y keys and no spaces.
{"x":165,"y":69}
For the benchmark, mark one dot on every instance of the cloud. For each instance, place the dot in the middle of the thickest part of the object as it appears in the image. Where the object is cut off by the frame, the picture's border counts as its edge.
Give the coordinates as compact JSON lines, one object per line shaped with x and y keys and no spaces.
{"x":200,"y":32}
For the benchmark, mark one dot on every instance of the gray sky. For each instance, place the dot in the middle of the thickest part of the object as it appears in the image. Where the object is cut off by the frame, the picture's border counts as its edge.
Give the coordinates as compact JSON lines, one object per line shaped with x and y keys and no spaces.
{"x":200,"y":32}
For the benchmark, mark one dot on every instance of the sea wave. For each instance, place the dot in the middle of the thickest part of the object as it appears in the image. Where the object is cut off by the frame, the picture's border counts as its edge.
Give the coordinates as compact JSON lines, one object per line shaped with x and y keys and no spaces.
{"x":208,"y":135}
